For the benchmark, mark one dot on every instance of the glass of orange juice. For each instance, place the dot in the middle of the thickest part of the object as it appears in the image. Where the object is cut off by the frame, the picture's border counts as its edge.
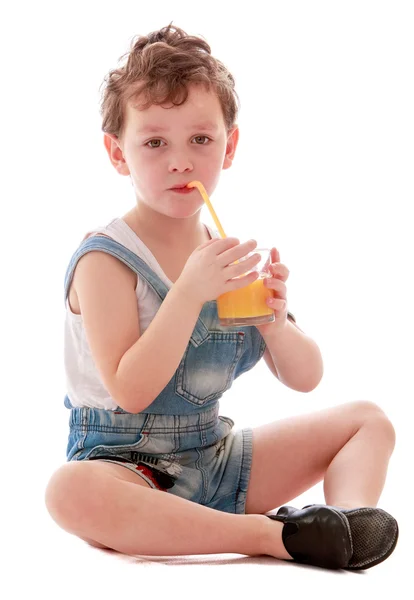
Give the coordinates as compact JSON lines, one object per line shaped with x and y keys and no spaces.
{"x":247,"y":306}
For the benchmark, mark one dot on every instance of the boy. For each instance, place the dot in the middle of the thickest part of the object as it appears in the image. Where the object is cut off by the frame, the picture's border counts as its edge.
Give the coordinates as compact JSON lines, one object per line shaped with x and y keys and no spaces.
{"x":147,"y":360}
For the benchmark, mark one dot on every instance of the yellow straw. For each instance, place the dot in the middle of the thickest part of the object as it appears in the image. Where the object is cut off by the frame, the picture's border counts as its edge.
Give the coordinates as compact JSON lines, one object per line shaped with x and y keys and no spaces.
{"x":206,"y":199}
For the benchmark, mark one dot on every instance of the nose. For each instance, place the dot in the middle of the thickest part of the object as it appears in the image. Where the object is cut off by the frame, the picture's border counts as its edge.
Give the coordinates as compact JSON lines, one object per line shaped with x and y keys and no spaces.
{"x":179,"y":163}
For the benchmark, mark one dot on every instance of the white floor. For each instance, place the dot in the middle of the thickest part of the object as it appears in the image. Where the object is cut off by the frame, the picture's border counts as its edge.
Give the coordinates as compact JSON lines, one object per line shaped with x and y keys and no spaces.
{"x":45,"y":562}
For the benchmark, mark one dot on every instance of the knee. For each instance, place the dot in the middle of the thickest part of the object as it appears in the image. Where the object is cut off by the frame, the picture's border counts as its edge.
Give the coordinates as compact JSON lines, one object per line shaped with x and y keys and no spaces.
{"x":374,"y":417}
{"x":66,"y":494}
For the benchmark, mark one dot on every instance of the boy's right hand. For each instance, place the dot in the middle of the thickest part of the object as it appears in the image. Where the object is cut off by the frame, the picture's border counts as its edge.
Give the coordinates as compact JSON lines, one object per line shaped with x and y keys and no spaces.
{"x":209,"y":271}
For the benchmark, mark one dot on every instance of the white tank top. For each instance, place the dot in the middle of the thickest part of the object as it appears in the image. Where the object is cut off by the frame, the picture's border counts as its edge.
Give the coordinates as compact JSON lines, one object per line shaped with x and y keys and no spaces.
{"x":84,"y":386}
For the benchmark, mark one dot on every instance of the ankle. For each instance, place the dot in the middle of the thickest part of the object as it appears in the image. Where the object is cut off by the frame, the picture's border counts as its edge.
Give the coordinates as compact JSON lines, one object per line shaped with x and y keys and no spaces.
{"x":272,"y":539}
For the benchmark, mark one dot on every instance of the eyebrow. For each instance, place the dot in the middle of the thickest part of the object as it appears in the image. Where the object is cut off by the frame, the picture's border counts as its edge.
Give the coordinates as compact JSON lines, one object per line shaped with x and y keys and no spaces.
{"x":157,"y":129}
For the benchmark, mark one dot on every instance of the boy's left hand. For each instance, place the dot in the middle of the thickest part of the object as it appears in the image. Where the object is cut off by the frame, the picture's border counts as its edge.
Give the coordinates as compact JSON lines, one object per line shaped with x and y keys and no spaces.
{"x":278,"y":303}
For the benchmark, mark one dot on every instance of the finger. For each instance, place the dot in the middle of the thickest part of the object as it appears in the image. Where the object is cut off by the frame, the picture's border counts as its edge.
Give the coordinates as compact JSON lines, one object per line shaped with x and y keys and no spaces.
{"x":280,"y":271}
{"x":273,"y":257}
{"x":276,"y":284}
{"x":235,"y":251}
{"x":221,"y":244}
{"x":278,"y":304}
{"x":273,"y":254}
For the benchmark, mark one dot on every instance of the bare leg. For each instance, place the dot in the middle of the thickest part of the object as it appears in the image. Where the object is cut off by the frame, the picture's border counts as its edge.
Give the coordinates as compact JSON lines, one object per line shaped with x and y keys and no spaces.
{"x":356,"y":476}
{"x":111,"y":506}
{"x":347,"y":446}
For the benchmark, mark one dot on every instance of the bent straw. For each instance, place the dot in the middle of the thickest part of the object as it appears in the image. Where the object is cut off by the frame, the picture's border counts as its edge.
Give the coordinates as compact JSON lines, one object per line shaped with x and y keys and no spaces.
{"x":206,"y":199}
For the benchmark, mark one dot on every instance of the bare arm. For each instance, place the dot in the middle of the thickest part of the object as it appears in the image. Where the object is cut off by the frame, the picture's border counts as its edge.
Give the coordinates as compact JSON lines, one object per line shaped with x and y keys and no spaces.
{"x":134,"y":368}
{"x":296,"y":358}
{"x":147,"y":367}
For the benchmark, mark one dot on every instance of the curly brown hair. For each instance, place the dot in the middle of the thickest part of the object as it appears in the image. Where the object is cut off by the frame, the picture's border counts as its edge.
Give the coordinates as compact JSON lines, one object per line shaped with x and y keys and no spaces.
{"x":159,"y":69}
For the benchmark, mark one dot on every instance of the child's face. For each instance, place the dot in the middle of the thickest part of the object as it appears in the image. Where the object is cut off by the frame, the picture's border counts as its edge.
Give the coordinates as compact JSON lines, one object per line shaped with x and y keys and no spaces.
{"x":192,"y":143}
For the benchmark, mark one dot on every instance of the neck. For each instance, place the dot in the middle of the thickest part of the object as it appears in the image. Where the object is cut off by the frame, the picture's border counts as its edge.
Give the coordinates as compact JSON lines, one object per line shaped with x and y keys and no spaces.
{"x":163,"y":230}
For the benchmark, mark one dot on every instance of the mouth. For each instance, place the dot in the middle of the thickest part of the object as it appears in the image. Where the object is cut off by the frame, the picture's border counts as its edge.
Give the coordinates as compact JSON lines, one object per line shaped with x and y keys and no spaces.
{"x":182,"y":189}
{"x":179,"y":186}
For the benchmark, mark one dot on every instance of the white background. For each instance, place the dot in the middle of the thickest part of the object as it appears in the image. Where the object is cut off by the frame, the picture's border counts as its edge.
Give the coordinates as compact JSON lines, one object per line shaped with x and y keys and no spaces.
{"x":323,"y":171}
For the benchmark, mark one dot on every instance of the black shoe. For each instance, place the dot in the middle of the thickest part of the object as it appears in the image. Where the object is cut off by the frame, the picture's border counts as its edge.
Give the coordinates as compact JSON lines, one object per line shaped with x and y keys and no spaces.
{"x":316,"y":535}
{"x":374,"y":536}
{"x":338,"y":538}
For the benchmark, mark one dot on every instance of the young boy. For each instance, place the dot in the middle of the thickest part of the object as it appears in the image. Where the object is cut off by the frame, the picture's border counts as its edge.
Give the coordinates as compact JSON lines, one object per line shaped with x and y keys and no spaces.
{"x":152,"y":467}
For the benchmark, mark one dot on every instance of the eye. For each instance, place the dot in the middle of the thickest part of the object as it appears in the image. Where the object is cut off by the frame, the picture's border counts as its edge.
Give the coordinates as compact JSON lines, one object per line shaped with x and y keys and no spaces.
{"x":158,"y":144}
{"x":201,"y":137}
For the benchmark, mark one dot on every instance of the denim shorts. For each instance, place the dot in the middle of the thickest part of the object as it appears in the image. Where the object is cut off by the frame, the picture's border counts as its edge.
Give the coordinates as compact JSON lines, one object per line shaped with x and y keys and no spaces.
{"x":198,"y":457}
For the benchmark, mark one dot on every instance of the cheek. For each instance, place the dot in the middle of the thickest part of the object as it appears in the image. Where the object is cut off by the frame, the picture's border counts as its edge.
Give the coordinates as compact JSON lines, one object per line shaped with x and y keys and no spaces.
{"x":146,"y":167}
{"x":210,"y":173}
{"x":213,"y":163}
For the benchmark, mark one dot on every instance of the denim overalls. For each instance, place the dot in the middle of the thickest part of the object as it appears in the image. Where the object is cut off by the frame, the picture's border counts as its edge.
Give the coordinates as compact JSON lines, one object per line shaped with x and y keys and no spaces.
{"x":179,"y":444}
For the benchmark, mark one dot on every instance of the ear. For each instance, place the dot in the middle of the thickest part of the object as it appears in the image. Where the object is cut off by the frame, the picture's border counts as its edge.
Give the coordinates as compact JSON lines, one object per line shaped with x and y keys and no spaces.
{"x":232,"y":141}
{"x":115,"y":153}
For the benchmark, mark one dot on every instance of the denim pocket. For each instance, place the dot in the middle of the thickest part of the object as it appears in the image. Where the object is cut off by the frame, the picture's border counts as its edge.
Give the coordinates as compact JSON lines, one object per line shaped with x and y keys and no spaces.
{"x":115,"y":449}
{"x":207,"y":370}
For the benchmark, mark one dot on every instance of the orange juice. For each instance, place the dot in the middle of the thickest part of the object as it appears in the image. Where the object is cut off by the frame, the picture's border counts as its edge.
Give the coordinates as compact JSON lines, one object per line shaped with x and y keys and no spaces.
{"x":246,"y":306}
